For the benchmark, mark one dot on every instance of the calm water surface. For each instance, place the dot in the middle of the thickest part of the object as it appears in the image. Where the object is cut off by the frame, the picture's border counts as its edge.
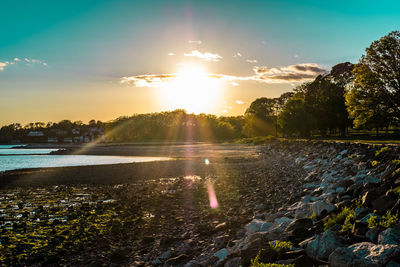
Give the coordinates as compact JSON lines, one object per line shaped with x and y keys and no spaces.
{"x":12,"y":159}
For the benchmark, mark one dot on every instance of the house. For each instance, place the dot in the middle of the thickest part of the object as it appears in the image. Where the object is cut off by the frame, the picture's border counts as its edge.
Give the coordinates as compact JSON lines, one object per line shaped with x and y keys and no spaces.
{"x":67,"y":140}
{"x":75,"y":131}
{"x":35,"y":134}
{"x":59,"y":132}
{"x":52,"y":139}
{"x":78,"y":139}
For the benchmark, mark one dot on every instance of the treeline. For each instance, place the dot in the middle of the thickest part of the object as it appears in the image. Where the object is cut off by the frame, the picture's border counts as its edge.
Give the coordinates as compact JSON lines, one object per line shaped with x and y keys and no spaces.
{"x":174,"y":126}
{"x":17,"y":132}
{"x":365,"y":95}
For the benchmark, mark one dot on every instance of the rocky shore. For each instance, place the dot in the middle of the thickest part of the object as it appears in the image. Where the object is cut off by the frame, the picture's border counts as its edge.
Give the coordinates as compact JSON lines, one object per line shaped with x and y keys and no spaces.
{"x":296,"y":203}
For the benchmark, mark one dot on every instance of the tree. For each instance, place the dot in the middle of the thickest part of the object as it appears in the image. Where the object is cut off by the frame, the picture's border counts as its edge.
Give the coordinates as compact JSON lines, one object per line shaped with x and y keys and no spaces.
{"x":294,"y":119}
{"x":260,"y":117}
{"x":367,"y":100}
{"x":382,"y":58}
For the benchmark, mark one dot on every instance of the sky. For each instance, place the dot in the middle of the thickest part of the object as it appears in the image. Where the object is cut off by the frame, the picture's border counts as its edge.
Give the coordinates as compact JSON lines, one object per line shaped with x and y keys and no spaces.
{"x":86,"y":59}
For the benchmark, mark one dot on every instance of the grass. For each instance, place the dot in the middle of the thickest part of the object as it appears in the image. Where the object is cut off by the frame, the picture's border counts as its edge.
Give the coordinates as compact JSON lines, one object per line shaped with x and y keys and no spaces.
{"x":256,"y":140}
{"x":280,"y":245}
{"x":256,"y":263}
{"x":345,"y":214}
{"x":382,"y":150}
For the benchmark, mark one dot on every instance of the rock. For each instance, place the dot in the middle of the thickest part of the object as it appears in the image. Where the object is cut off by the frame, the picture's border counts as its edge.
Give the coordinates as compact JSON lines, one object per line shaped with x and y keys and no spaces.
{"x":389,"y":236}
{"x":323,"y":245}
{"x":383,"y":203}
{"x":297,"y":230}
{"x":363,"y":254}
{"x":254,"y":226}
{"x":166,"y":255}
{"x":250,"y":251}
{"x":178,"y":259}
{"x":222,"y":255}
{"x":221,"y":241}
{"x":234,"y":262}
{"x":372,"y":235}
{"x":322,"y":207}
{"x":303,"y":211}
{"x":220,"y":227}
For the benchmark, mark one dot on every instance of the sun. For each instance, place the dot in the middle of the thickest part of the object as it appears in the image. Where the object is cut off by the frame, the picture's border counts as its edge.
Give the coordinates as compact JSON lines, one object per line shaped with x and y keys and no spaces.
{"x":193,"y":90}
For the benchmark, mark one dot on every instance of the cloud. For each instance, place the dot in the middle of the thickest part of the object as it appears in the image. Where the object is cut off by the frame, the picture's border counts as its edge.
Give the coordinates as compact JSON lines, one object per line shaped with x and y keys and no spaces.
{"x":3,"y":65}
{"x":237,"y":55}
{"x":252,"y":60}
{"x":171,"y":54}
{"x":205,"y":56}
{"x":289,"y":74}
{"x":296,"y":56}
{"x":17,"y":60}
{"x":195,"y":42}
{"x":292,"y":73}
{"x":239,"y":102}
{"x":148,"y":80}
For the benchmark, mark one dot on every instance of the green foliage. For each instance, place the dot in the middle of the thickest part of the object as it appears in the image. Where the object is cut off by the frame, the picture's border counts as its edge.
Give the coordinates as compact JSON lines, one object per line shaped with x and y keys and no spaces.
{"x":372,"y":221}
{"x":352,"y":156}
{"x":374,"y":163}
{"x":339,"y":218}
{"x":396,"y":161}
{"x":395,"y":191}
{"x":389,"y":220}
{"x":256,"y":263}
{"x":280,"y":245}
{"x":294,"y":119}
{"x":256,"y":140}
{"x":382,"y":150}
{"x":347,"y":225}
{"x":174,"y":125}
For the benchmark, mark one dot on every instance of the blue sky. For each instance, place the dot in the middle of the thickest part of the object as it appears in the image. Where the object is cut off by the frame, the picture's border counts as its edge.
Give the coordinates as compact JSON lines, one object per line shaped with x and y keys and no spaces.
{"x":73,"y":55}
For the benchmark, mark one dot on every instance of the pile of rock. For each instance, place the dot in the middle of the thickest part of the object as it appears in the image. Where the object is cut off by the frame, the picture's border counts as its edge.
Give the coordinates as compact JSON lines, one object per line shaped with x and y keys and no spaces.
{"x":347,"y":214}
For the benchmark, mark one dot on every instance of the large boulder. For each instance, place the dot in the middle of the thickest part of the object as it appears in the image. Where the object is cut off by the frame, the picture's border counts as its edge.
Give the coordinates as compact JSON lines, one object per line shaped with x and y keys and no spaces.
{"x":363,"y":254}
{"x":389,"y":236}
{"x":322,"y":207}
{"x":323,"y":245}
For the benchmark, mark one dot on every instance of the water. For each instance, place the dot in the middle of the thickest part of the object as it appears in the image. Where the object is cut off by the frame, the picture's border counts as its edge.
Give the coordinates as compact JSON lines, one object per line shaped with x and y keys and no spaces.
{"x":40,"y":161}
{"x":23,"y":158}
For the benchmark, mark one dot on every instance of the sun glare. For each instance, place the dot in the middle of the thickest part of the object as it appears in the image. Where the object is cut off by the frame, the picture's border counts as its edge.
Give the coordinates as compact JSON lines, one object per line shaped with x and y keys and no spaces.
{"x":192,"y":90}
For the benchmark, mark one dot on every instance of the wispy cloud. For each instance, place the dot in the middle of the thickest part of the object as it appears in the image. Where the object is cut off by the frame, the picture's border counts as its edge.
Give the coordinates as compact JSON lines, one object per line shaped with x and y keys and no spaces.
{"x":235,"y":84}
{"x":292,"y":73}
{"x":25,"y":61}
{"x":237,"y":55}
{"x":289,"y":74}
{"x":148,"y":80}
{"x":205,"y":56}
{"x":195,"y":42}
{"x":239,"y":102}
{"x":171,"y":54}
{"x":252,"y":60}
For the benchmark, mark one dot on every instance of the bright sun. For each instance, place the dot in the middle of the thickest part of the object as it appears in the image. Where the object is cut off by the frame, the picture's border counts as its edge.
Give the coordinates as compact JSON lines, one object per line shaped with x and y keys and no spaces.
{"x":193,"y":90}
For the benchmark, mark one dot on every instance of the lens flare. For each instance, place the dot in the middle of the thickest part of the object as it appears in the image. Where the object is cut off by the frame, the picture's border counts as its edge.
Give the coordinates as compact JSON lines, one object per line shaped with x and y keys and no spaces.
{"x":207,"y":161}
{"x":212,"y":197}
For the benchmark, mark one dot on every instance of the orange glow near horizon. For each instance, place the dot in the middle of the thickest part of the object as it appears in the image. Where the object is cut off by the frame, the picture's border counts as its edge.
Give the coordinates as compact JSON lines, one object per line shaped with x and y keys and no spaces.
{"x":192,"y":90}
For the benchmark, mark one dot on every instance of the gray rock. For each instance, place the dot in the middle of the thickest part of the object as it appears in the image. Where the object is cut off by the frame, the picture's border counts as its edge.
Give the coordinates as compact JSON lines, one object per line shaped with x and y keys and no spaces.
{"x":322,"y":206}
{"x":363,"y":254}
{"x":389,"y":236}
{"x":323,"y":245}
{"x":372,"y":235}
{"x":222,"y":255}
{"x":254,"y":226}
{"x":234,"y":262}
